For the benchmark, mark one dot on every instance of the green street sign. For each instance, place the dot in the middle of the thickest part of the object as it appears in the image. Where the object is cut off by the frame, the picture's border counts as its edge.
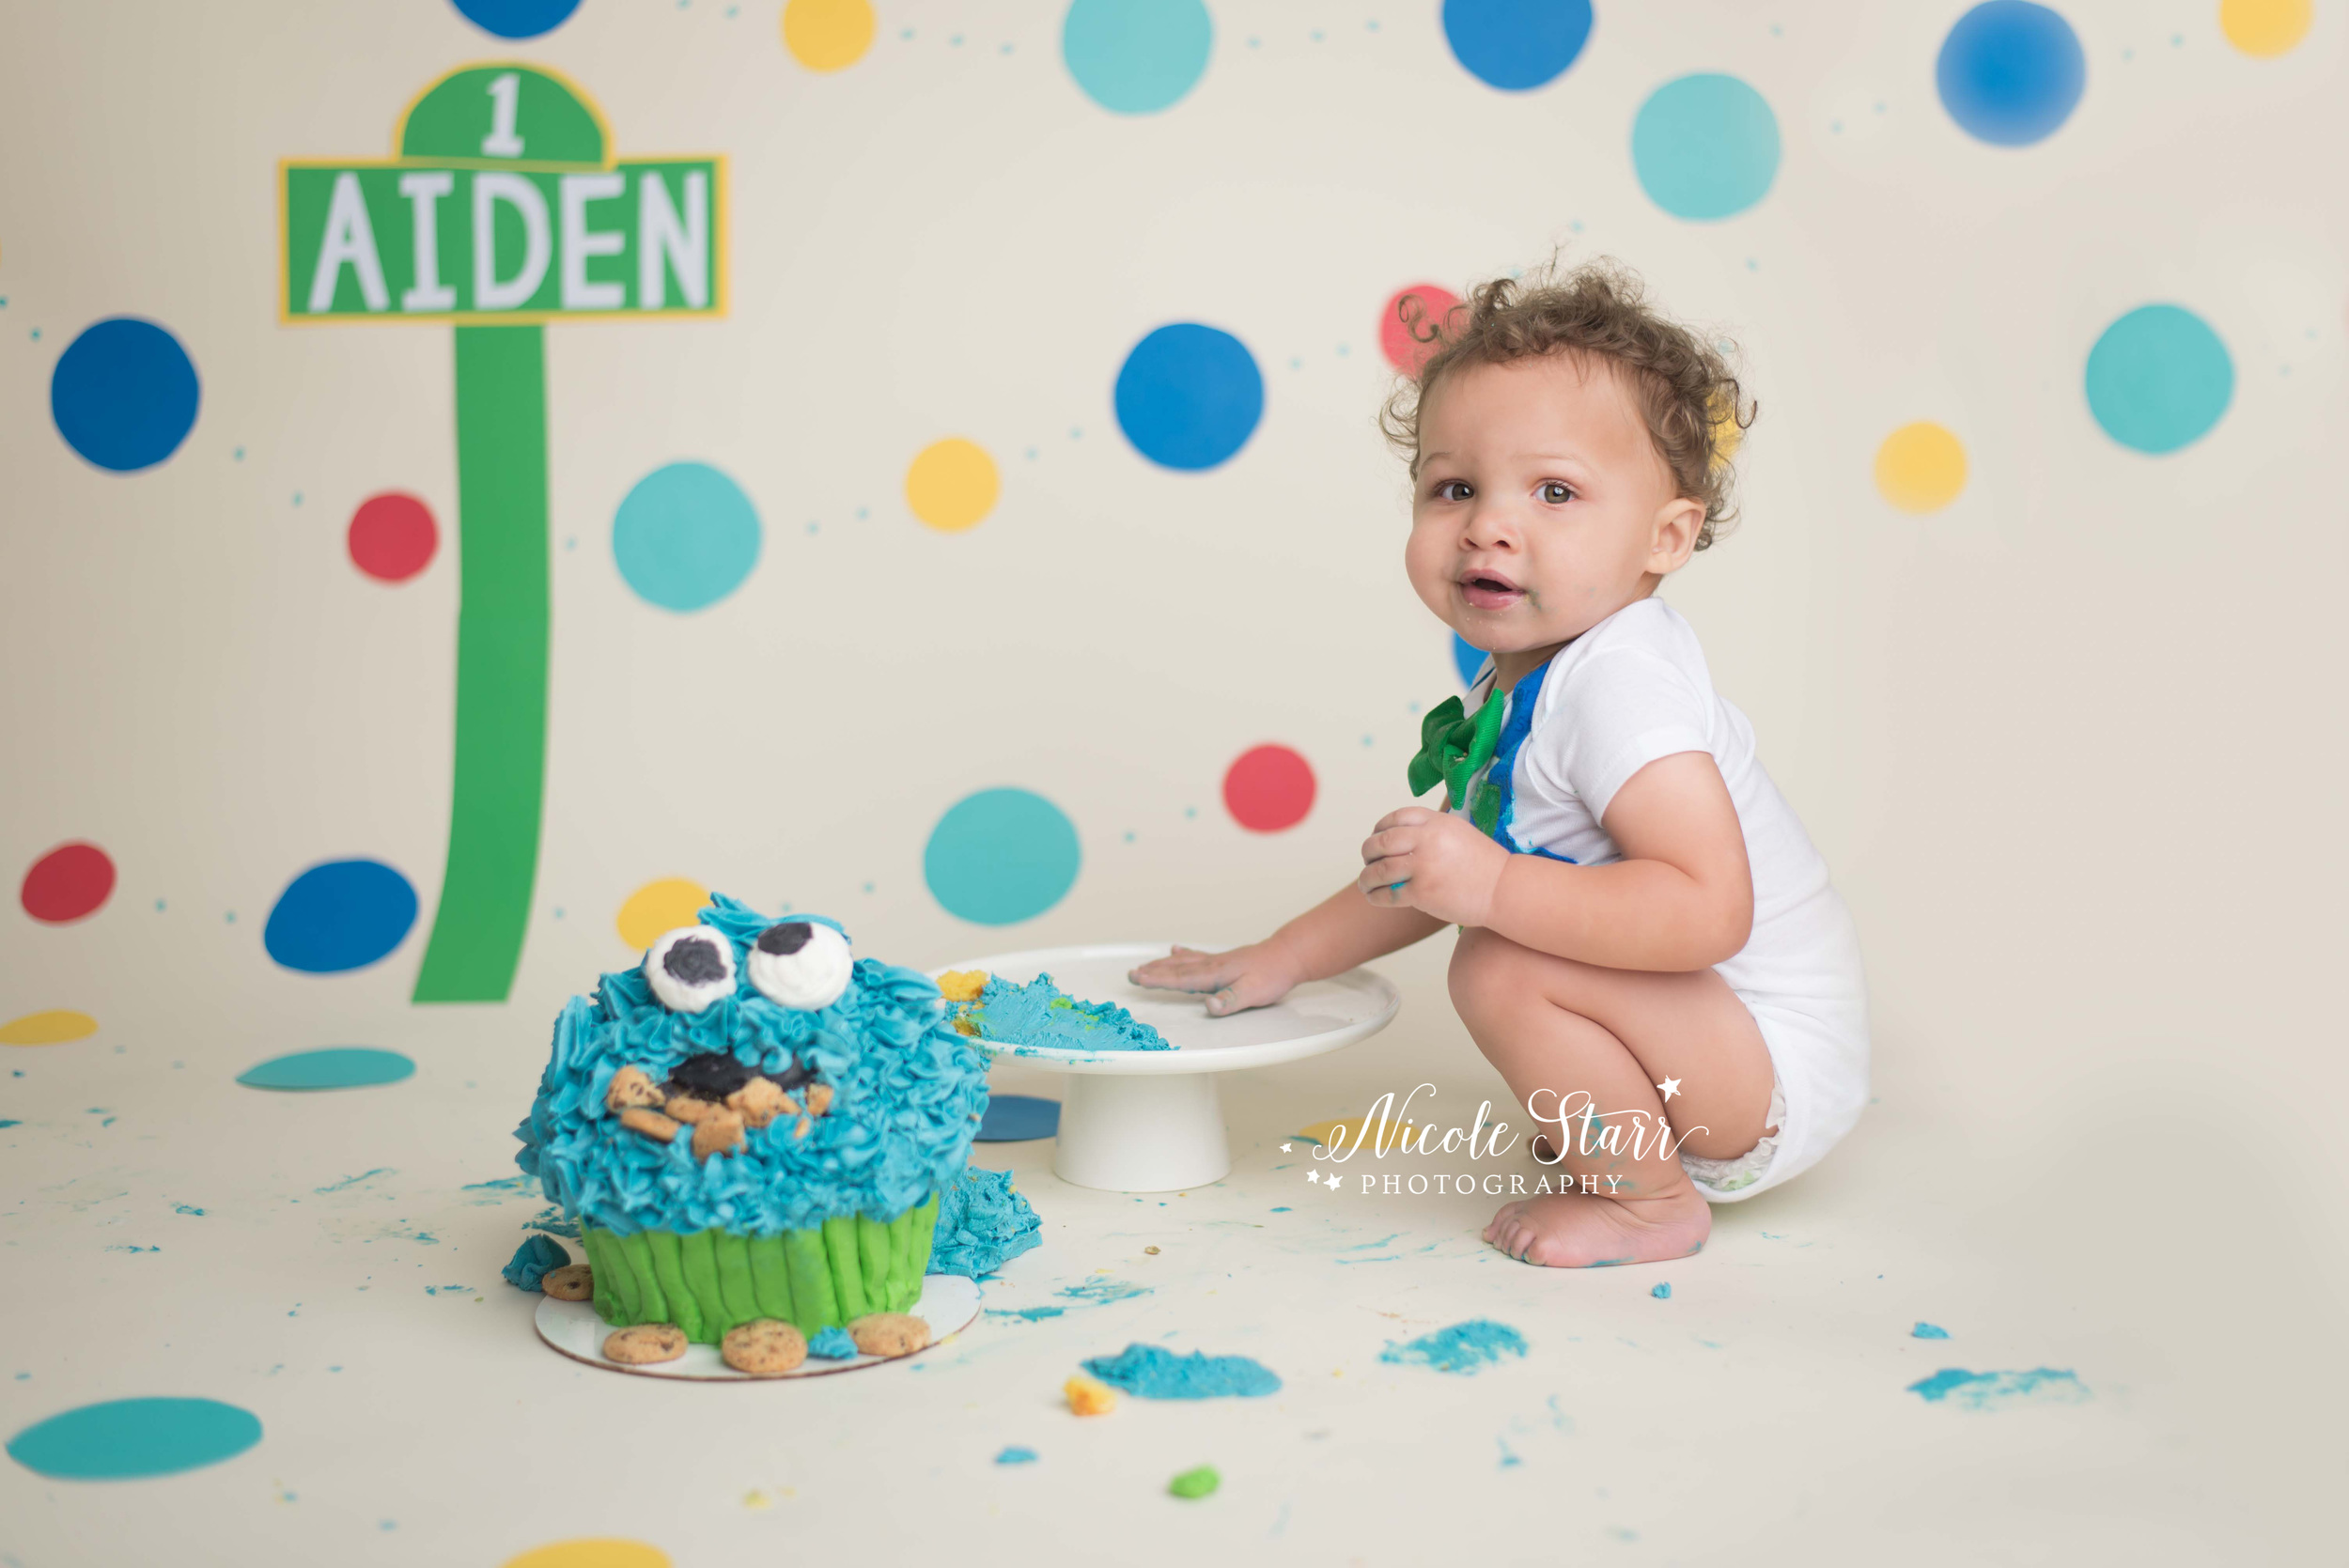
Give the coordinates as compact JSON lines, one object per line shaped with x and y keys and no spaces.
{"x":504,"y":205}
{"x":504,"y":208}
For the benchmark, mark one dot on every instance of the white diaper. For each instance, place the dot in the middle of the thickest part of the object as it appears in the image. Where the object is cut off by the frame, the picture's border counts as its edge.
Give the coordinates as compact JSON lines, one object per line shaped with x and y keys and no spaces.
{"x":1721,"y":1179}
{"x":1818,"y":1087}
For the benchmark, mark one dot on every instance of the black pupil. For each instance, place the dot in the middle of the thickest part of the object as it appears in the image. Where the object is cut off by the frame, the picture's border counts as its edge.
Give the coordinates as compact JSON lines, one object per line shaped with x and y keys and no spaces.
{"x":695,"y":963}
{"x":786,"y":938}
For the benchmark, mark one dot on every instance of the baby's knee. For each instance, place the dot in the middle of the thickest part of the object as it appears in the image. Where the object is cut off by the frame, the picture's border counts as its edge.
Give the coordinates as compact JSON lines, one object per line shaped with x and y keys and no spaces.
{"x":1485,"y":969}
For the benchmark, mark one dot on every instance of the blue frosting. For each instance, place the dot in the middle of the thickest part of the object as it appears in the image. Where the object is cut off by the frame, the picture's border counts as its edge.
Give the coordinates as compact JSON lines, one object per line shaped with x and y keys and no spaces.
{"x":1463,"y":1348}
{"x":1154,"y":1371}
{"x":532,"y":1260}
{"x":982,"y":1225}
{"x":1041,"y":1014}
{"x":1016,"y":1456}
{"x":1990,"y":1391}
{"x":832,"y":1344}
{"x":907,"y":1093}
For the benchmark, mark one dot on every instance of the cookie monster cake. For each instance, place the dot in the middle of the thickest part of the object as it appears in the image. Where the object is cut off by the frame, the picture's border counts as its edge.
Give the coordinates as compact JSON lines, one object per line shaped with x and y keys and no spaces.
{"x":754,"y":1128}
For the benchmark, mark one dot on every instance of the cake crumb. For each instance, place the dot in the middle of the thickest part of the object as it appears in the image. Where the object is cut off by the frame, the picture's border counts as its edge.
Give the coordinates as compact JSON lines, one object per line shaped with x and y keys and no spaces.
{"x":631,"y":1086}
{"x":1089,"y":1396}
{"x":962,"y":985}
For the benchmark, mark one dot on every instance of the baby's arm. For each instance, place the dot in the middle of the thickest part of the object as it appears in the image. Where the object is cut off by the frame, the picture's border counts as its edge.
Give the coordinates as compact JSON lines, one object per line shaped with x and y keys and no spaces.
{"x":1337,"y":934}
{"x":1680,"y":899}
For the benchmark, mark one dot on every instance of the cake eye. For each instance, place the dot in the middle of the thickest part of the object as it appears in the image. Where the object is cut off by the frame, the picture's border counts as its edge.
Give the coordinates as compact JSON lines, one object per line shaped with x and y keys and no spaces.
{"x":689,"y":968}
{"x":801,"y":964}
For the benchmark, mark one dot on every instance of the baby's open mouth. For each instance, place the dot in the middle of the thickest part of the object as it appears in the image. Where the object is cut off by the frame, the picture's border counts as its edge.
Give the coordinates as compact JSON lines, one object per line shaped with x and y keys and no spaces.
{"x":1486,"y":590}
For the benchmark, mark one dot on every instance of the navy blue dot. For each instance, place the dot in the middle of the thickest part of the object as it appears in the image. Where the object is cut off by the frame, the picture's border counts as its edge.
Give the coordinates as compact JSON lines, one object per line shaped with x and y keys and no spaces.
{"x":1517,"y":45}
{"x":1467,"y":657}
{"x":515,"y":19}
{"x":124,"y":394}
{"x":340,"y":915}
{"x":1188,"y":397}
{"x":2009,"y":73}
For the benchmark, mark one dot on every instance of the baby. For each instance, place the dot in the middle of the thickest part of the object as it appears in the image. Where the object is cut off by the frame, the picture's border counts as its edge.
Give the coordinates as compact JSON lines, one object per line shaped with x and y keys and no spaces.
{"x":1648,"y":938}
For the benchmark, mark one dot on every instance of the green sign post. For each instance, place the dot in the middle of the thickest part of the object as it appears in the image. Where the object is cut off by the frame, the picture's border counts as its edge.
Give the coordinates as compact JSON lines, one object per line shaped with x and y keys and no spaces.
{"x":504,"y":208}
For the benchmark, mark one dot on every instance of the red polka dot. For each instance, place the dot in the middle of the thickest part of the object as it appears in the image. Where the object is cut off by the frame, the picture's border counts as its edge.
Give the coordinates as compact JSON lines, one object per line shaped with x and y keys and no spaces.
{"x":67,"y":883}
{"x":1268,"y":788}
{"x":393,"y":537}
{"x":1395,"y":339}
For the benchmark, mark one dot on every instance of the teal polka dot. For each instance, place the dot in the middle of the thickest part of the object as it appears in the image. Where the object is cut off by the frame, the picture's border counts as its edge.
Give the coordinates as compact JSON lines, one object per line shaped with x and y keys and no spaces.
{"x":2159,"y":379}
{"x":1000,"y":856}
{"x":1136,"y":57}
{"x":124,"y":1439}
{"x":1705,"y":147}
{"x":685,"y":537}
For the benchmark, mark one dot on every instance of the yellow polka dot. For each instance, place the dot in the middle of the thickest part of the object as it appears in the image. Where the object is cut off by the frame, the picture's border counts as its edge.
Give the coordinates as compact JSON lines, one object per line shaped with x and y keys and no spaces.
{"x":52,"y":1028}
{"x":952,"y":484}
{"x":828,"y":35}
{"x":1728,"y":435}
{"x":1921,"y":467}
{"x":603,"y":1552}
{"x":658,"y":907}
{"x":2265,"y":29}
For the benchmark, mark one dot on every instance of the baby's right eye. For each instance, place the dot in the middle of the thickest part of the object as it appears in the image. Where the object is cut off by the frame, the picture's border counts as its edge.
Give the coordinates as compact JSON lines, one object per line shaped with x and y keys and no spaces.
{"x":1444,"y":488}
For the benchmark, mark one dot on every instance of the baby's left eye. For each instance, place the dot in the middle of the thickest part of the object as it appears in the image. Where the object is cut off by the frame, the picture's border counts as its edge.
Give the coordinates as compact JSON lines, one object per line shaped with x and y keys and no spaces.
{"x":1557,"y":494}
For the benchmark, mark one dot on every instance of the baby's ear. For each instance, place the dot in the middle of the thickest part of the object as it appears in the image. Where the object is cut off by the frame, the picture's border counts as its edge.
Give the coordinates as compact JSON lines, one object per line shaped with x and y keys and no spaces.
{"x":1673,"y":537}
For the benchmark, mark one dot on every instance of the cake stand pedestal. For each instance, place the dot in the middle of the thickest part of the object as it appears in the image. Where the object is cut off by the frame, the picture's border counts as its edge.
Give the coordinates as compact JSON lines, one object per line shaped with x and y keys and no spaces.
{"x":1150,"y":1121}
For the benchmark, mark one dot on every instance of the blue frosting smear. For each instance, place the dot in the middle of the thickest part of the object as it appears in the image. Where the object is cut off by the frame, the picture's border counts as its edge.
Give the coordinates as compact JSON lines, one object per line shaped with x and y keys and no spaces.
{"x":1041,"y":1015}
{"x":832,"y":1344}
{"x":1992,"y":1390}
{"x":1016,"y":1456}
{"x":532,"y":1260}
{"x":1463,"y":1348}
{"x":982,"y":1225}
{"x":1153,"y":1372}
{"x":1928,"y":1331}
{"x":907,"y":1093}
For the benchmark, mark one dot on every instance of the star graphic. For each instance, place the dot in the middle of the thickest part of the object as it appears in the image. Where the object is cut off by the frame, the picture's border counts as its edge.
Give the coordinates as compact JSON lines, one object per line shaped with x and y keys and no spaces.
{"x":1284,"y":1148}
{"x":1334,"y":1185}
{"x":1312,"y":1175}
{"x":1669,"y":1087}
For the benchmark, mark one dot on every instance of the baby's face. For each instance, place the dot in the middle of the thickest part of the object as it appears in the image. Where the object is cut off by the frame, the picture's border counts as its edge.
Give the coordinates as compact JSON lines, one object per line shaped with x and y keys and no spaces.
{"x":1542,"y":507}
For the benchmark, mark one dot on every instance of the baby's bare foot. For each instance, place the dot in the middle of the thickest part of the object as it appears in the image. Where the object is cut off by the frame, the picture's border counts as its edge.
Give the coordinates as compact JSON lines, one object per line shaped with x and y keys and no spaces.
{"x":1576,"y":1230}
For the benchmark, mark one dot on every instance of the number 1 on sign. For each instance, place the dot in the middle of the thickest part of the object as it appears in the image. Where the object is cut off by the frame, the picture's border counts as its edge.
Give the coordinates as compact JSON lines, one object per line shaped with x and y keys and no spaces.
{"x":501,"y":142}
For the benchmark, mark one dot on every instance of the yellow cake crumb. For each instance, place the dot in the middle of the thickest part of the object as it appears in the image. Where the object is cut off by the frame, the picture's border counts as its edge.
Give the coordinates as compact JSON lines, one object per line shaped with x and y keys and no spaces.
{"x":1089,"y":1397}
{"x":962,"y":985}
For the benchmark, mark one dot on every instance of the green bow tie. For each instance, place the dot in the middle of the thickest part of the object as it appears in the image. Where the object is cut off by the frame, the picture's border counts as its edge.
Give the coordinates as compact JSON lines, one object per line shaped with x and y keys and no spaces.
{"x":1453,"y":748}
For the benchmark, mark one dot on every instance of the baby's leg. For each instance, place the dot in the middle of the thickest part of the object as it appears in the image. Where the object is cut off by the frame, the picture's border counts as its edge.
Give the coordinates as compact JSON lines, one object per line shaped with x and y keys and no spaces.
{"x":1576,"y":1029}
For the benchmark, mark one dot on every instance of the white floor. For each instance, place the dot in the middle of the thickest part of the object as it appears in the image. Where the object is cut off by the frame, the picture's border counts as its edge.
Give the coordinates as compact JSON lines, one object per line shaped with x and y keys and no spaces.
{"x":1759,"y":1414}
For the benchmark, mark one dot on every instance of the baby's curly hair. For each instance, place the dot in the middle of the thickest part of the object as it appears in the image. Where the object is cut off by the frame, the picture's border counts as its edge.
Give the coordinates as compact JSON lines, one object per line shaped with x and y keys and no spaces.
{"x":1690,"y":396}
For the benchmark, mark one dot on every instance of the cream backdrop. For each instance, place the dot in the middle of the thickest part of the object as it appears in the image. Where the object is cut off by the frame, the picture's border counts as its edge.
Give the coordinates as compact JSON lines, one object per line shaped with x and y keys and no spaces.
{"x":2071,"y":743}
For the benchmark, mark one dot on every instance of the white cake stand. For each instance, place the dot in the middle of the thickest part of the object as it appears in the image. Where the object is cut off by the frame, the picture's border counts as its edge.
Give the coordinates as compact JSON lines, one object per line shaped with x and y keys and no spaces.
{"x":1149,"y":1121}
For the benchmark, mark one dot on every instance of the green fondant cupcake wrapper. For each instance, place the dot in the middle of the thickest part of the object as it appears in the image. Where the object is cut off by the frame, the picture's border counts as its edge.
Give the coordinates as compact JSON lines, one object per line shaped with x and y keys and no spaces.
{"x":706,"y":1282}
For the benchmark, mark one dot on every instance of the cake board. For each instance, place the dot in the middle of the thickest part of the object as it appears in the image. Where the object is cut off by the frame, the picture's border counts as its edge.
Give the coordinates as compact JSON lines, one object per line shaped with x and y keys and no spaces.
{"x":1150,"y":1121}
{"x":949,"y":1304}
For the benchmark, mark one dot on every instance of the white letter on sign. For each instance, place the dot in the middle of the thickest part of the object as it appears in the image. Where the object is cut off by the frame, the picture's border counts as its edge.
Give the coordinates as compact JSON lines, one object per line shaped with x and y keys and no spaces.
{"x":579,"y":242}
{"x":424,"y":192}
{"x":660,"y":235}
{"x":489,"y":292}
{"x":350,"y":239}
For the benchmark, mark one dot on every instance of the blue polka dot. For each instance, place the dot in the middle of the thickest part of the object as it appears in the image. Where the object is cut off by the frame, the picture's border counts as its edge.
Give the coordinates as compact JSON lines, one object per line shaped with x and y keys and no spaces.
{"x":1136,"y":57}
{"x":1515,"y":44}
{"x":517,"y":19}
{"x":124,"y":394}
{"x":123,"y":1439}
{"x":336,"y":1067}
{"x":2159,"y":379}
{"x":1467,"y":657}
{"x":340,"y":915}
{"x":1000,"y":856}
{"x":1188,"y":397}
{"x":2009,"y":73}
{"x":1017,"y":1119}
{"x":1705,"y":147}
{"x":686,"y":536}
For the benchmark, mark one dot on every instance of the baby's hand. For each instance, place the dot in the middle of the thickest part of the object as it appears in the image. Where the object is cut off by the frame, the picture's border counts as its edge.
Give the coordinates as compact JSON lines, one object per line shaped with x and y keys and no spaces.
{"x":1434,"y":862}
{"x":1251,"y":976}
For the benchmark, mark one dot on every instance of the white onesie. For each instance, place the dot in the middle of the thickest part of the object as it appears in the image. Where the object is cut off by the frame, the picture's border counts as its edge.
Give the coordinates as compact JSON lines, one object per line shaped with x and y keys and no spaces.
{"x":1634,"y":688}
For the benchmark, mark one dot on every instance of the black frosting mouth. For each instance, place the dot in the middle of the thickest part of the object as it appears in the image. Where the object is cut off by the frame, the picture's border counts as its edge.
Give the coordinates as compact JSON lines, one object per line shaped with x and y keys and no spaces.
{"x":714,"y":1074}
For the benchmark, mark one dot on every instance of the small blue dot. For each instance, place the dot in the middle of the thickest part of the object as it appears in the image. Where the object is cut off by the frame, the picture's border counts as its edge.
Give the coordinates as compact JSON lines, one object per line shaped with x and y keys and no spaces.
{"x":1188,"y":397}
{"x":863,"y":513}
{"x":1130,"y":838}
{"x":1517,"y":45}
{"x":2009,"y":73}
{"x":297,"y":500}
{"x":239,"y":454}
